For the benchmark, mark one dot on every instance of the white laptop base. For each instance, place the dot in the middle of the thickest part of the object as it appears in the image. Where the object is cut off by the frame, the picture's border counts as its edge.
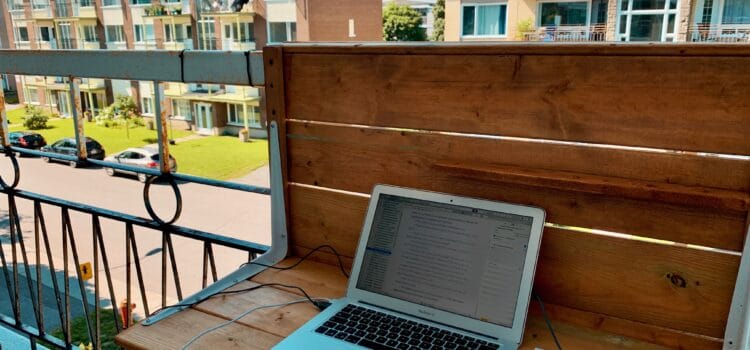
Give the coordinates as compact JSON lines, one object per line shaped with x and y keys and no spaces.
{"x":433,"y":271}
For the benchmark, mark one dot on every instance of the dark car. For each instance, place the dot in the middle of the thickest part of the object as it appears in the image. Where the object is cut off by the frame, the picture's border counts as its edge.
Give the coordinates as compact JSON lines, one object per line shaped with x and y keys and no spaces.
{"x":26,"y":139}
{"x":67,"y":146}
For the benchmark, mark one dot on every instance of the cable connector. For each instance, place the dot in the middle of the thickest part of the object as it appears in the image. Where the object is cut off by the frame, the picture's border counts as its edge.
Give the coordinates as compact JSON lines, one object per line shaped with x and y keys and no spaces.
{"x":321,"y":304}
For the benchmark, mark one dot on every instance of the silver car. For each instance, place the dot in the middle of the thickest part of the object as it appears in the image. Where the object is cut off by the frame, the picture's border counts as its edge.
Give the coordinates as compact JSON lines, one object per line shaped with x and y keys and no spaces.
{"x":144,"y":157}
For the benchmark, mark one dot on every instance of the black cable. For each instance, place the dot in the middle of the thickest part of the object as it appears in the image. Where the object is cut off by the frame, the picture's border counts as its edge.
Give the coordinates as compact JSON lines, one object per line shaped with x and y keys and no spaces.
{"x":546,"y":319}
{"x":338,"y":256}
{"x":320,"y":304}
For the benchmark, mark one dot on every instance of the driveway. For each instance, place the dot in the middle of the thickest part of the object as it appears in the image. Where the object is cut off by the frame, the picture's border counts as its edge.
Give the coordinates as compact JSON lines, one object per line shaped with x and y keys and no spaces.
{"x":230,"y":213}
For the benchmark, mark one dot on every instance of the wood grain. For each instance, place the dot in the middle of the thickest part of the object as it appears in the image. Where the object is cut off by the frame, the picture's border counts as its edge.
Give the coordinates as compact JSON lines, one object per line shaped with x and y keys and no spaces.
{"x":683,"y":103}
{"x":174,"y":332}
{"x":355,"y":159}
{"x":616,"y":277}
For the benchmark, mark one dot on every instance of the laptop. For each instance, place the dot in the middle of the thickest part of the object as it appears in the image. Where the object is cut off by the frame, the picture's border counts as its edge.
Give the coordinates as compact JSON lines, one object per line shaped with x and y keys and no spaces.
{"x":433,"y":271}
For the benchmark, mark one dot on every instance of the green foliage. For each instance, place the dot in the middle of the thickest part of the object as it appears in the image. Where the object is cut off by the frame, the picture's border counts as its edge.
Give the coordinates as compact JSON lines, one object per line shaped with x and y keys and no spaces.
{"x":80,"y":334}
{"x":34,"y":119}
{"x":402,"y":23}
{"x":11,"y":97}
{"x":525,"y":26}
{"x":438,"y":26}
{"x":122,"y":113}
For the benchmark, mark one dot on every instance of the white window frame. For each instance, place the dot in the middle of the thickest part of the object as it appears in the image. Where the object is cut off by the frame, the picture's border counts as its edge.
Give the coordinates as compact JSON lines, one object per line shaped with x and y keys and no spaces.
{"x":181,"y":116}
{"x":139,"y":29}
{"x":238,"y":110}
{"x":717,"y":14}
{"x":666,"y":12}
{"x":84,"y":29}
{"x":121,"y":32}
{"x":482,"y":36}
{"x":117,"y":4}
{"x":288,"y":31}
{"x":17,"y":33}
{"x":35,"y":94}
{"x":147,"y":105}
{"x":588,"y":13}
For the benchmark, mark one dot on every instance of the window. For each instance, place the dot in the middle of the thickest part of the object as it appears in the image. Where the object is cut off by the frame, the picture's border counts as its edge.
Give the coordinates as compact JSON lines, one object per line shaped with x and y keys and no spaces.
{"x":40,"y":4}
{"x":15,"y":5}
{"x":45,"y":33}
{"x":110,"y":2}
{"x":147,"y":105}
{"x":235,"y":115}
{"x":181,"y":32}
{"x":140,"y":2}
{"x":114,"y":33}
{"x":484,"y":19}
{"x":563,"y":14}
{"x":143,"y":32}
{"x":206,"y":34}
{"x":22,"y":34}
{"x":239,"y":32}
{"x":282,"y":31}
{"x":181,"y":109}
{"x":89,"y":34}
{"x":86,"y":3}
{"x":736,"y":12}
{"x":33,"y":96}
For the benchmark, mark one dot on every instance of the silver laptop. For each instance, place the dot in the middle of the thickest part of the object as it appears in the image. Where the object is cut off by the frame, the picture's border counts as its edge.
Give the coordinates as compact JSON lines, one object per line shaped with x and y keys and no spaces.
{"x":433,"y":270}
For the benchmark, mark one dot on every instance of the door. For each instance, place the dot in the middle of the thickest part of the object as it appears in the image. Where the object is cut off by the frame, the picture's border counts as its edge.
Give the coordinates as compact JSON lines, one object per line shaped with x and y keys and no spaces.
{"x":204,"y":118}
{"x":63,"y":103}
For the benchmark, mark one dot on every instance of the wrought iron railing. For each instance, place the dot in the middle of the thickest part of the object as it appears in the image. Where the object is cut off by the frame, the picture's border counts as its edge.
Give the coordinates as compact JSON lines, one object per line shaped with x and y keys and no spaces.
{"x":719,"y":33}
{"x":597,"y":32}
{"x":237,"y":68}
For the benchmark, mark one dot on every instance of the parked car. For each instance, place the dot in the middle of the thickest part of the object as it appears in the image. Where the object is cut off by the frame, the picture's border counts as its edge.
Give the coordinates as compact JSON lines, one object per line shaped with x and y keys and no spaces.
{"x":26,"y":139}
{"x":68,"y":146}
{"x":143,"y":157}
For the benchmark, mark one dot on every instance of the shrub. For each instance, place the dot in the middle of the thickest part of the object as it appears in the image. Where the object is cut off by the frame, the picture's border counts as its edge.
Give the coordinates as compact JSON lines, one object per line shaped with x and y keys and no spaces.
{"x":523,"y":27}
{"x":34,"y":119}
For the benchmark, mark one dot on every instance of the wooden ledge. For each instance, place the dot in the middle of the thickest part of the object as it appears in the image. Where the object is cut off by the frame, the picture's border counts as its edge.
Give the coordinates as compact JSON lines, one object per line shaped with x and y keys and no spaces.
{"x":617,"y":187}
{"x":264,"y":328}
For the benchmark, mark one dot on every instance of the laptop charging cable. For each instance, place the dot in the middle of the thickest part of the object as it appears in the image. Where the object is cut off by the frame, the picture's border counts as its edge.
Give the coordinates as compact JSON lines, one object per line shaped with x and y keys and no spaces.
{"x":546,"y":319}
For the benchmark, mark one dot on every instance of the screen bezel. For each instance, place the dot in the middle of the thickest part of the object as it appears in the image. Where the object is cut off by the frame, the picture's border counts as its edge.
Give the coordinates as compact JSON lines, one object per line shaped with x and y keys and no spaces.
{"x":515,"y":331}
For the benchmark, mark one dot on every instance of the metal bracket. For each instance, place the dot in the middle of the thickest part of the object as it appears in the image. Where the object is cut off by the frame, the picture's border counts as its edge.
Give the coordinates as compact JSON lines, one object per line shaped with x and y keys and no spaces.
{"x":278,"y":238}
{"x":737,"y":334}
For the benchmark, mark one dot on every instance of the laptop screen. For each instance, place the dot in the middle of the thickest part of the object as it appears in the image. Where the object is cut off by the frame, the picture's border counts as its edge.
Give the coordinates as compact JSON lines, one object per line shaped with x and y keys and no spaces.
{"x":457,"y":259}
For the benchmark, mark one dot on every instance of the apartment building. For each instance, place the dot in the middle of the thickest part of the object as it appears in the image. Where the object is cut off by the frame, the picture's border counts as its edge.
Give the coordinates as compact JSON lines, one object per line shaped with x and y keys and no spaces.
{"x":598,"y":20}
{"x":178,"y":25}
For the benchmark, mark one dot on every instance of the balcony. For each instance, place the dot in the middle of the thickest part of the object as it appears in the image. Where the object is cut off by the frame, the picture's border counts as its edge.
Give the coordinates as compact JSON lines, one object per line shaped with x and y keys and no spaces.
{"x":646,"y":243}
{"x":568,"y":34}
{"x":224,"y":8}
{"x":719,"y":33}
{"x":234,"y":45}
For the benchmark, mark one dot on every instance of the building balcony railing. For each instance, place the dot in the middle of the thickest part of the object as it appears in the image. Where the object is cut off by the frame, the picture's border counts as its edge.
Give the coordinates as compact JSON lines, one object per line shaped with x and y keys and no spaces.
{"x":217,"y":7}
{"x":719,"y":33}
{"x":31,"y":251}
{"x":596,"y":32}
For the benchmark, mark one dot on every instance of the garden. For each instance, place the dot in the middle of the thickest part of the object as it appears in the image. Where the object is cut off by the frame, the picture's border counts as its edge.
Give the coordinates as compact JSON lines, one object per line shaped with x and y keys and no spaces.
{"x":119,"y":126}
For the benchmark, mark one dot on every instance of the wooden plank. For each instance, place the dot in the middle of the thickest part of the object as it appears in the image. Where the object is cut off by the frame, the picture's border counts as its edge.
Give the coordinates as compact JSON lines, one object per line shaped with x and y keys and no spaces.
{"x":174,"y":332}
{"x":683,"y":103}
{"x":522,"y":48}
{"x":277,"y":321}
{"x":636,"y":330}
{"x":632,"y":189}
{"x":317,"y":279}
{"x":621,"y":278}
{"x":355,"y":159}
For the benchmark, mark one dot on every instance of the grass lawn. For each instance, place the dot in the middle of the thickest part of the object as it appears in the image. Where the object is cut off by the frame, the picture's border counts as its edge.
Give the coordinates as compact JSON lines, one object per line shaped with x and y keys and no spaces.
{"x":16,"y":116}
{"x":113,"y":138}
{"x":220,"y":157}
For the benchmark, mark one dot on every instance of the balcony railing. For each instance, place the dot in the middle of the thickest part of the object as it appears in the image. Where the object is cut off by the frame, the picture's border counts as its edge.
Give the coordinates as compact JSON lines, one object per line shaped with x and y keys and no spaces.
{"x":28,"y":248}
{"x":596,"y":32}
{"x":225,"y":6}
{"x":719,"y":33}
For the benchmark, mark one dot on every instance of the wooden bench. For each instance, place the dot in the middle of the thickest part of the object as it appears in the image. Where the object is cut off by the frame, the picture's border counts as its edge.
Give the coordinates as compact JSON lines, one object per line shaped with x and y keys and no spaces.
{"x":622,"y":145}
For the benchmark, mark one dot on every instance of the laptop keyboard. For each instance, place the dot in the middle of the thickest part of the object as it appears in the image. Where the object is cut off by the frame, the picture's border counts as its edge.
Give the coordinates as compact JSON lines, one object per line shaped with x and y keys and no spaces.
{"x":377,"y":330}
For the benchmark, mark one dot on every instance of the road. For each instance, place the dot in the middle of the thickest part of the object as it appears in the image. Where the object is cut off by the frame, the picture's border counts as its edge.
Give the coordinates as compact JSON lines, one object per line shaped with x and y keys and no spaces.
{"x":231,"y":213}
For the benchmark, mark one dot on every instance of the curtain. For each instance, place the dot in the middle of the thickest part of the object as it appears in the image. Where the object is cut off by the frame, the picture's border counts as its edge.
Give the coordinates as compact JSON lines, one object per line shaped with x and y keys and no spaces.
{"x":487,"y":20}
{"x":736,"y":12}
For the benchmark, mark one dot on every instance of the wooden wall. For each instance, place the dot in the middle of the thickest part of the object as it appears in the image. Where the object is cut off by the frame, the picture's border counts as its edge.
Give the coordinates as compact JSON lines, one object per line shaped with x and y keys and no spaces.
{"x":642,"y":140}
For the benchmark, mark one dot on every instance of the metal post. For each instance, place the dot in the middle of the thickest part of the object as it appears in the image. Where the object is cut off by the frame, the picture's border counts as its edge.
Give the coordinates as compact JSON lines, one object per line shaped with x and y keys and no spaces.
{"x":737,"y":333}
{"x":161,"y":128}
{"x":3,"y":122}
{"x":244,"y":112}
{"x":75,"y":110}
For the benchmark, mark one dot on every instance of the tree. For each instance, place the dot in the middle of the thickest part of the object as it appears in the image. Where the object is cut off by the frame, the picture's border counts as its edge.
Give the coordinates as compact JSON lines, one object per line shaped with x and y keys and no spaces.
{"x":438,"y":26}
{"x":402,"y":23}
